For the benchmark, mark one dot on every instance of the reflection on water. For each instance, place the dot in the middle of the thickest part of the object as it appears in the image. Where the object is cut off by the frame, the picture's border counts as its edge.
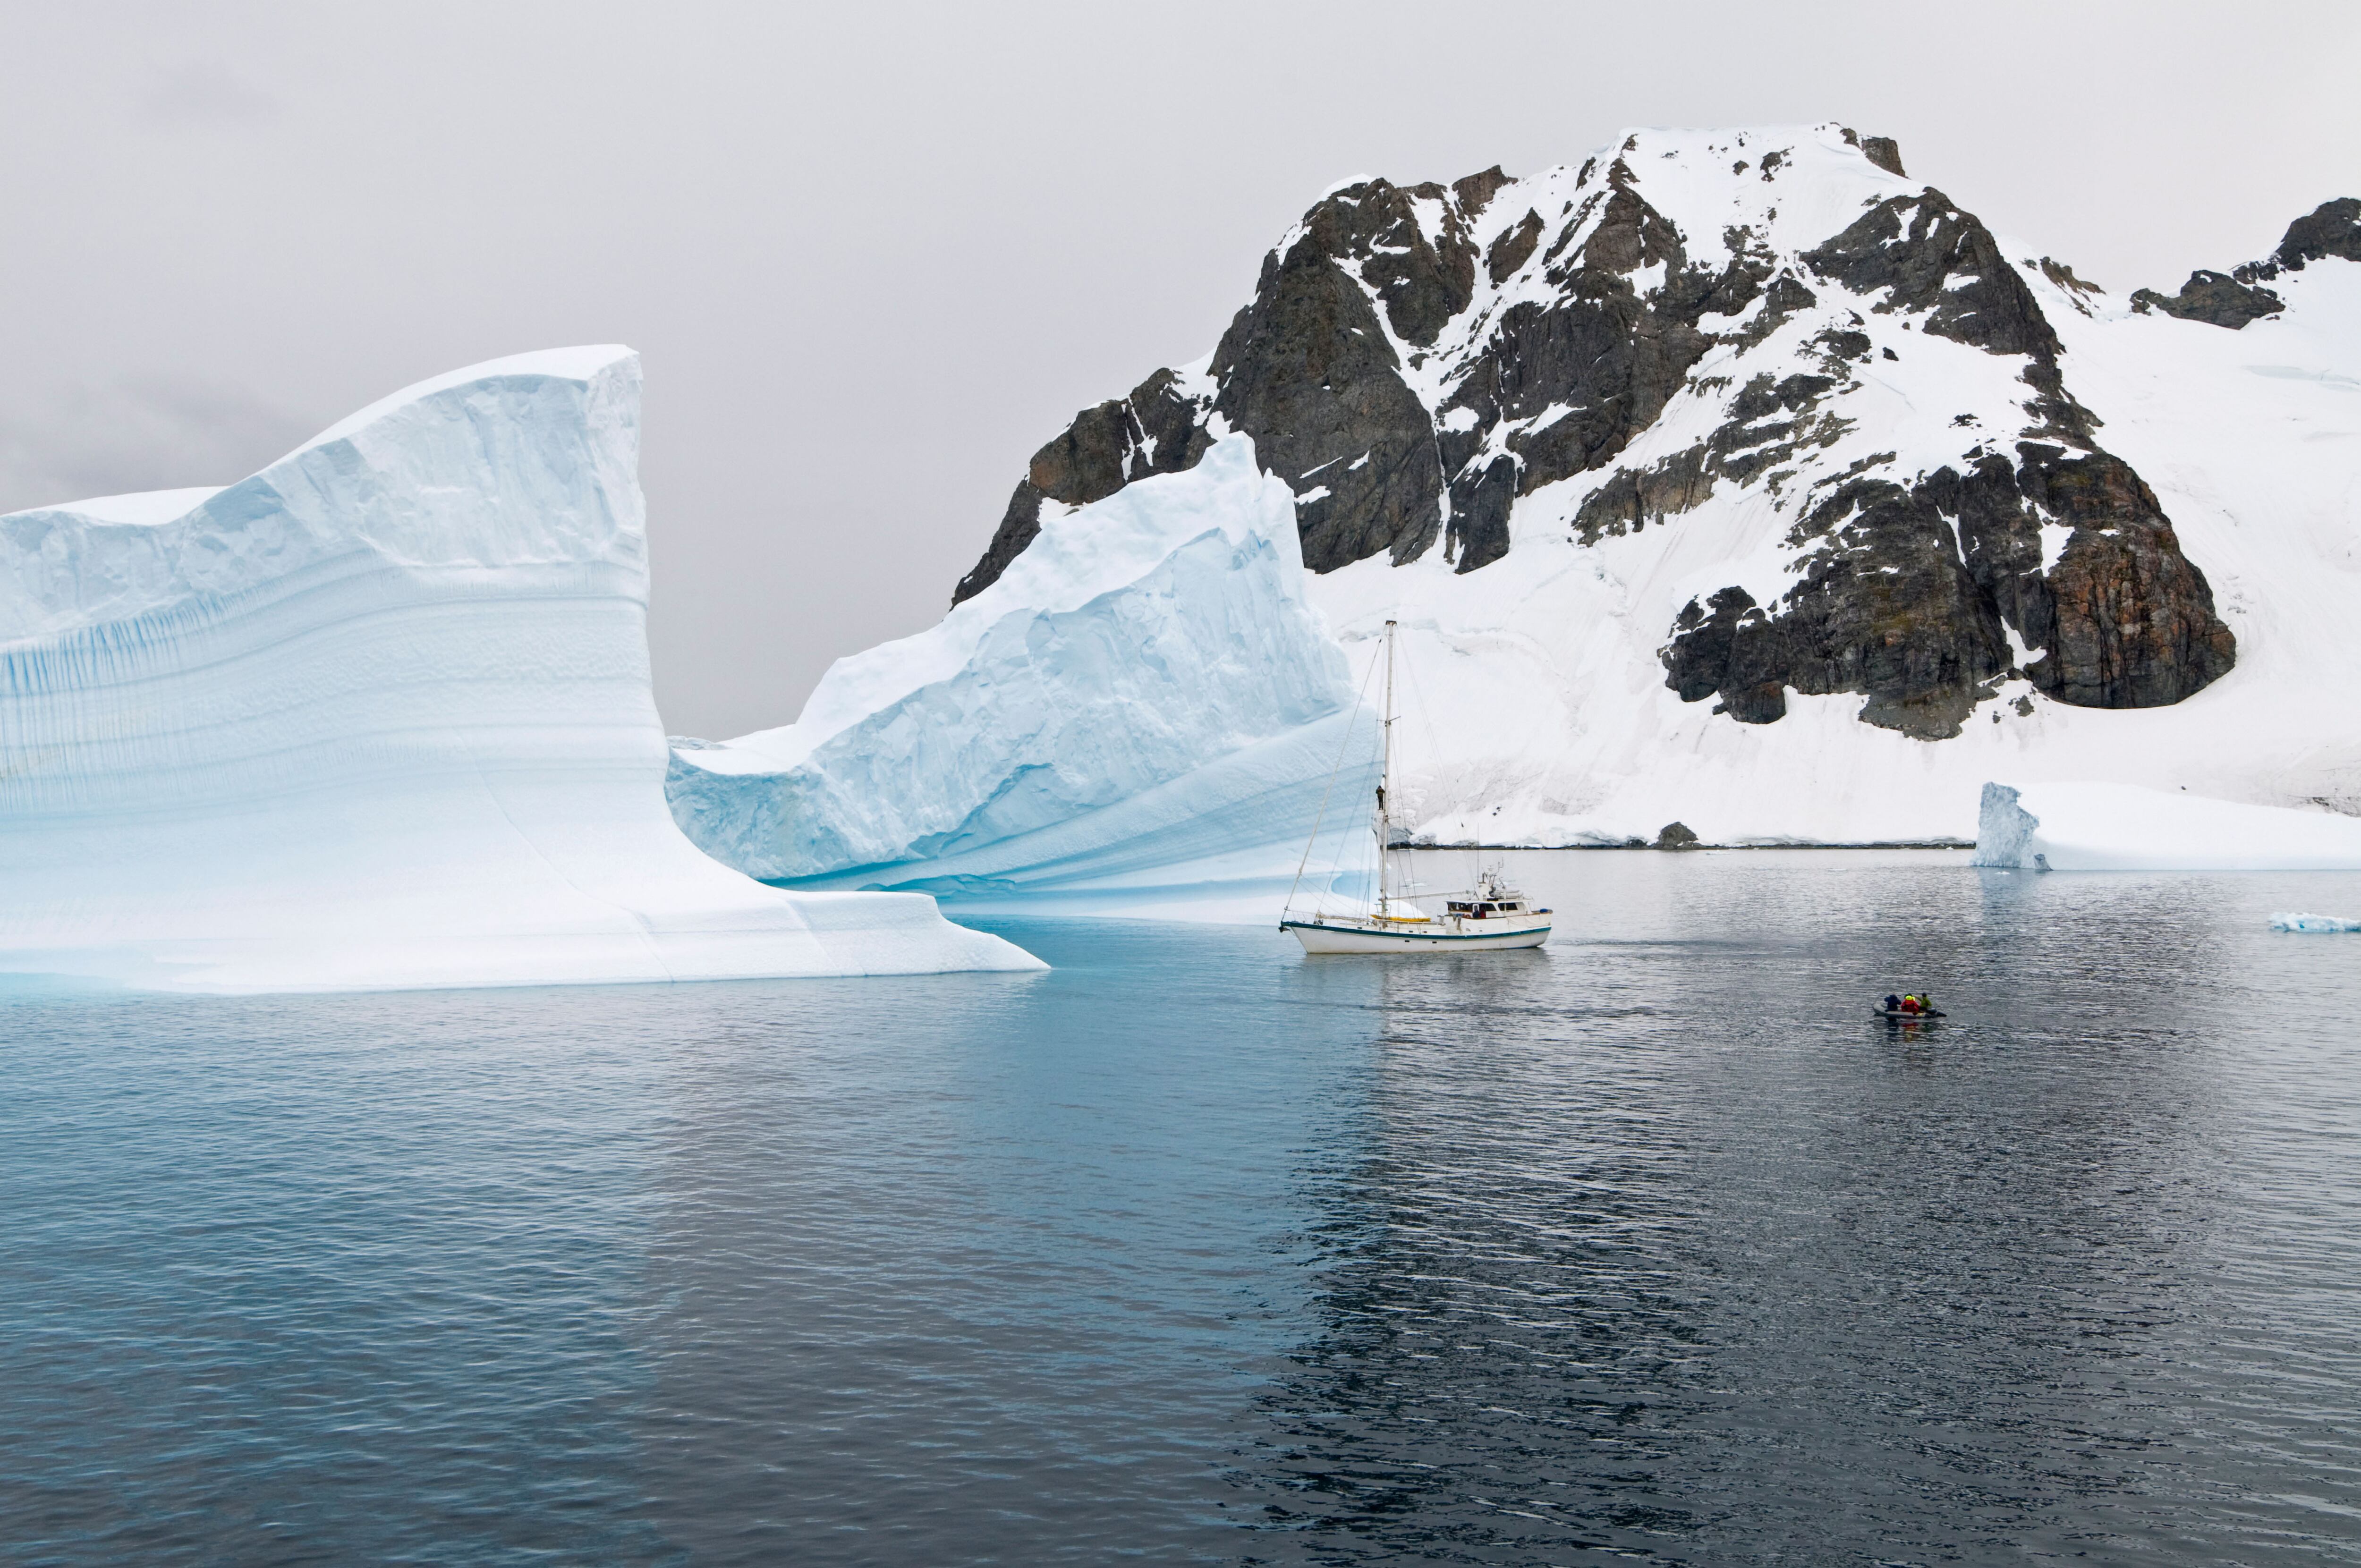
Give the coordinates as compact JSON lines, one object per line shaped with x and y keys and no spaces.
{"x":1653,"y":1243}
{"x":1734,"y":1271}
{"x":1000,"y":1270}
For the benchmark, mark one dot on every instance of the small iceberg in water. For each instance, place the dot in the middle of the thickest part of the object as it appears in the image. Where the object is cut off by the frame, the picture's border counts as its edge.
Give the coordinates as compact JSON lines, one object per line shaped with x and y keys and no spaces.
{"x":2122,"y":827}
{"x":2313,"y":923}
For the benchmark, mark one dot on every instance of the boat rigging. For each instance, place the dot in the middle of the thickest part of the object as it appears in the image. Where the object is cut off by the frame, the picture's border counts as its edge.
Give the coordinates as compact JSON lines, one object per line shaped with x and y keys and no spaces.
{"x":1491,"y":917}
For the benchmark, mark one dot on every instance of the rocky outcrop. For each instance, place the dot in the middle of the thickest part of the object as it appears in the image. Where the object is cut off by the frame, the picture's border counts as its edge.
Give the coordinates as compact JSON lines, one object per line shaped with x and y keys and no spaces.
{"x":1158,"y":429}
{"x":1560,"y":385}
{"x":1319,"y":368}
{"x":1923,"y":257}
{"x":2215,"y":298}
{"x":2332,"y":229}
{"x":1882,"y":152}
{"x":1633,"y":497}
{"x":1913,"y":591}
{"x":1435,"y":368}
{"x":2235,"y":298}
{"x":1312,"y":372}
{"x":2130,"y":619}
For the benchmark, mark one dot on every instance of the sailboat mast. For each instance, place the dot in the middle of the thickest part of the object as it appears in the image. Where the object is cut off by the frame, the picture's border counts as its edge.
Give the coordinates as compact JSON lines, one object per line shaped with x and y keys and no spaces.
{"x":1385,"y":786}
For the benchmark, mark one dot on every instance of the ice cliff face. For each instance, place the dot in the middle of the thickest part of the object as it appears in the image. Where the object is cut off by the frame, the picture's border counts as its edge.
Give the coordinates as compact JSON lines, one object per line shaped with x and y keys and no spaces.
{"x":1142,"y":709}
{"x":1736,"y":477}
{"x":379,"y":716}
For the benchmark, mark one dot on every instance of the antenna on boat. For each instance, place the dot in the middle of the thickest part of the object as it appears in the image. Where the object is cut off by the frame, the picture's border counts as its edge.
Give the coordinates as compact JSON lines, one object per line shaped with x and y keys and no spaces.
{"x":1385,"y":783}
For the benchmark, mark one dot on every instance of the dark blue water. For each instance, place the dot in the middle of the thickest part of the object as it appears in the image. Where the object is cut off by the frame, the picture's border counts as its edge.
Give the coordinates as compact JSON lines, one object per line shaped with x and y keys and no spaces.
{"x":1651,"y":1246}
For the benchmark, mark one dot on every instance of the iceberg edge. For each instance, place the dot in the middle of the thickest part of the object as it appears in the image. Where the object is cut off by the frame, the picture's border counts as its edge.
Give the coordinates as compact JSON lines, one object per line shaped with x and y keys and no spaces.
{"x":379,"y":717}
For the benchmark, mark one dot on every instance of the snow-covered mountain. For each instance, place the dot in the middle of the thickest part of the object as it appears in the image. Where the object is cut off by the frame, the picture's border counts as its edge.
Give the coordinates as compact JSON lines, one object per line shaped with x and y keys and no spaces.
{"x":379,"y":716}
{"x":1730,"y":478}
{"x":1736,"y":477}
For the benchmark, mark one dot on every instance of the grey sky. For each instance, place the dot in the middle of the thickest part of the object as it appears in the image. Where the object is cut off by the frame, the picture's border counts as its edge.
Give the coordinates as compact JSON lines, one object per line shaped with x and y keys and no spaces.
{"x":874,"y":255}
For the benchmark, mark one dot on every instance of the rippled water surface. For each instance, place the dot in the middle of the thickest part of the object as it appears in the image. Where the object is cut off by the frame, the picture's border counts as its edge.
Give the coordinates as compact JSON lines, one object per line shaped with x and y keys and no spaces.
{"x":1653,"y":1244}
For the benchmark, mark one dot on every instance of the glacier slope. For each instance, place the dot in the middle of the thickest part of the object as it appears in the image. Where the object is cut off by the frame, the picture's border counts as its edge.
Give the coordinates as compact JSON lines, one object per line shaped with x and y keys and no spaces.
{"x":379,"y":716}
{"x":2252,"y":442}
{"x":1547,"y":421}
{"x":1142,"y":715}
{"x":1540,"y":713}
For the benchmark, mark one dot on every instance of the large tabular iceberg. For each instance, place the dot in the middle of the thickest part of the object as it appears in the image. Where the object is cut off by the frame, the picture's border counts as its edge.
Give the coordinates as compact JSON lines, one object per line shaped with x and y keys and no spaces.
{"x":379,"y":716}
{"x":1142,"y":715}
{"x":2122,"y":827}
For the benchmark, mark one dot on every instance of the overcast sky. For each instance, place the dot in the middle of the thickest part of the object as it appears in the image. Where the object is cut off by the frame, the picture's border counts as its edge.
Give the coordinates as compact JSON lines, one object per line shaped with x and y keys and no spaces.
{"x":874,"y":255}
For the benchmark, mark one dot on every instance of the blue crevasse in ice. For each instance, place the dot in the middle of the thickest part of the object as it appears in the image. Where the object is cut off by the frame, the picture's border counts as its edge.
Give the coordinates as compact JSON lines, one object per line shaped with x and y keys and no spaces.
{"x":1144,"y":712}
{"x":379,"y":716}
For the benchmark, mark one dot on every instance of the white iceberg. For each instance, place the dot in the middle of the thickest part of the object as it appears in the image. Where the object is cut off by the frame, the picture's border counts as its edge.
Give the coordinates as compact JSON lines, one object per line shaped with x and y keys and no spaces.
{"x":2124,"y":828}
{"x":1142,"y":716}
{"x":2317,"y":925}
{"x":379,"y":716}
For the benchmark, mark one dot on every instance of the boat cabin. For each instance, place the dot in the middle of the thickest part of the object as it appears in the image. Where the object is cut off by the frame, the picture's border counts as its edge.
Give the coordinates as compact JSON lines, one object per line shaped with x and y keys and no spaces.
{"x":1482,"y":909}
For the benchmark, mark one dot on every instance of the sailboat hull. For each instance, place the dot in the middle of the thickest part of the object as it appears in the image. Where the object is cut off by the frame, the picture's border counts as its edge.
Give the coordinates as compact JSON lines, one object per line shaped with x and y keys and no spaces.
{"x":1339,"y":937}
{"x":1493,"y":918}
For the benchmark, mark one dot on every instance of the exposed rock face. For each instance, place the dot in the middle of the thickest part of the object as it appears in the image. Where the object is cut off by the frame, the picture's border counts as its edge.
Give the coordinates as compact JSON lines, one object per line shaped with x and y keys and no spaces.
{"x":1910,"y":598}
{"x":1321,"y":369}
{"x":1157,"y":430}
{"x":1596,"y":352}
{"x":1925,"y":255}
{"x":2078,"y":294}
{"x":1312,"y":371}
{"x":2235,"y":298}
{"x":2215,"y":298}
{"x":2332,"y":229}
{"x":1882,"y":152}
{"x":2130,"y":621}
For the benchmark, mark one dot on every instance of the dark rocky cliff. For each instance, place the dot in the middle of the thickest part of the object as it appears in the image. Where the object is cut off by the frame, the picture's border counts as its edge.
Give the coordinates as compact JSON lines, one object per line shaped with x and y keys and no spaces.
{"x":2235,"y":298}
{"x":1423,"y":364}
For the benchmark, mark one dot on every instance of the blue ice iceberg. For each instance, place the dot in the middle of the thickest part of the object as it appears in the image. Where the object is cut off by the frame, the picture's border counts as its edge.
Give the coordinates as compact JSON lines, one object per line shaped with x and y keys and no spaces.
{"x":379,"y":716}
{"x":2316,"y":924}
{"x":2113,"y":828}
{"x":1143,"y":715}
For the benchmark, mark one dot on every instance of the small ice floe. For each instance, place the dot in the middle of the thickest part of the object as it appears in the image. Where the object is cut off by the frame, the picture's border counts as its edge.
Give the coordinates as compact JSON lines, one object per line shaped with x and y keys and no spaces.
{"x":2317,"y":923}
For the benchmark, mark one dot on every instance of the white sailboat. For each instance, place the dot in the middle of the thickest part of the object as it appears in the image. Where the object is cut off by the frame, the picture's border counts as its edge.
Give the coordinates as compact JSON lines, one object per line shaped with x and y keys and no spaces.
{"x":1490,"y":917}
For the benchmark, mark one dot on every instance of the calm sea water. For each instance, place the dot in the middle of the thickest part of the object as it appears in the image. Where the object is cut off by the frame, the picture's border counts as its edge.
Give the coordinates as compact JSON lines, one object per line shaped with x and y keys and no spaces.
{"x":1653,"y":1245}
